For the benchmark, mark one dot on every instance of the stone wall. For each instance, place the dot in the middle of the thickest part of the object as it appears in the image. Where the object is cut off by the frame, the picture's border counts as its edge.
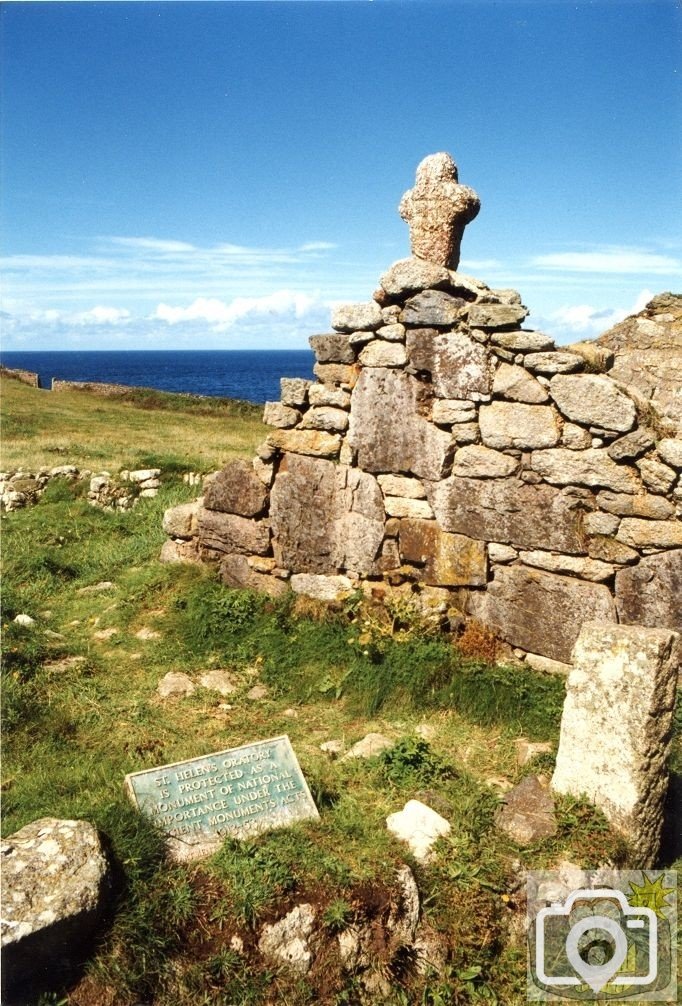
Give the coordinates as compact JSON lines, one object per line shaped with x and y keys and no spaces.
{"x":444,"y":446}
{"x":25,"y":376}
{"x":447,"y":451}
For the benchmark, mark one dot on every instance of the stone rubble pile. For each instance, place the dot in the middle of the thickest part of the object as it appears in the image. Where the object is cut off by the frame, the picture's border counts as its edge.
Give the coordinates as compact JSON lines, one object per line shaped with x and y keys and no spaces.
{"x":21,"y":488}
{"x":446,"y":449}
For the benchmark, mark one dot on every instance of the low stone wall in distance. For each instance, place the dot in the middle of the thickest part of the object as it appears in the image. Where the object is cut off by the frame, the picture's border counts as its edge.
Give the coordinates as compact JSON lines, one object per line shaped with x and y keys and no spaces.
{"x":25,"y":376}
{"x":446,"y":451}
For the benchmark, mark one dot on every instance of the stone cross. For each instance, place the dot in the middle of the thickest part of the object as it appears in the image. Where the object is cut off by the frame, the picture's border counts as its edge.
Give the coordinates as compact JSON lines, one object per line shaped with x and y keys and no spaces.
{"x":437,"y":210}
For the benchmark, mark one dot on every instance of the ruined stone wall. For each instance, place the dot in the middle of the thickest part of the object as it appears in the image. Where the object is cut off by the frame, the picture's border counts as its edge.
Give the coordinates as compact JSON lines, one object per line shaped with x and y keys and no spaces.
{"x":446,"y":451}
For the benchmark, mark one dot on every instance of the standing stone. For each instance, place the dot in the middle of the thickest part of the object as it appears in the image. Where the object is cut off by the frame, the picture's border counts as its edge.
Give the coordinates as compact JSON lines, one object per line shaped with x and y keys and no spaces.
{"x":593,"y":399}
{"x":236,"y":489}
{"x":437,"y":210}
{"x":388,"y":431}
{"x":540,"y":612}
{"x":459,"y":367}
{"x":54,"y":883}
{"x":615,"y":728}
{"x":325,"y":517}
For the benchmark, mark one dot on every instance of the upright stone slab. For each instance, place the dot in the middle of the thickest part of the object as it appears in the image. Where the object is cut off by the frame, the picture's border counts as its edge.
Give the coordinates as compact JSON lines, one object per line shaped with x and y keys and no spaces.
{"x":615,"y":728}
{"x":55,"y":882}
{"x":235,"y":793}
{"x":388,"y":431}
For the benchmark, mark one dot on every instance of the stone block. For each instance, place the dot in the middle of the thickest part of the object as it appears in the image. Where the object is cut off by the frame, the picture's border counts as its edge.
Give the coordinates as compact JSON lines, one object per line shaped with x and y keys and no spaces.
{"x":400,"y":485}
{"x":236,"y":489}
{"x":593,"y":399}
{"x":509,"y":511}
{"x":379,"y":353}
{"x":575,"y":438}
{"x":517,"y":385}
{"x":606,"y":548}
{"x":432,"y":307}
{"x":316,"y":443}
{"x":556,"y":362}
{"x":392,"y":333}
{"x":413,"y":274}
{"x":227,"y":532}
{"x":325,"y":417}
{"x":522,"y":341}
{"x":459,"y":366}
{"x":480,"y":462}
{"x":235,"y":571}
{"x":449,"y":411}
{"x":572,"y":565}
{"x":657,"y":477}
{"x":640,"y":505}
{"x":592,"y":467}
{"x":540,"y":612}
{"x":631,"y":445}
{"x":336,"y":373}
{"x":649,"y":593}
{"x":181,"y":521}
{"x":326,"y":517}
{"x":334,"y":348}
{"x":496,"y":315}
{"x":449,"y":560}
{"x":640,"y":533}
{"x":387,"y":430}
{"x":328,"y":394}
{"x":320,"y":587}
{"x":670,"y":451}
{"x":294,"y":391}
{"x":281,"y":416}
{"x":616,"y":728}
{"x":352,"y":317}
{"x":514,"y":424}
{"x":400,"y":506}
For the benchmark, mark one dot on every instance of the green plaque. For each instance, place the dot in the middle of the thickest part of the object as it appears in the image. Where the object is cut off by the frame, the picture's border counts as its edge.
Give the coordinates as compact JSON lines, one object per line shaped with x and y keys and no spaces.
{"x":235,"y":793}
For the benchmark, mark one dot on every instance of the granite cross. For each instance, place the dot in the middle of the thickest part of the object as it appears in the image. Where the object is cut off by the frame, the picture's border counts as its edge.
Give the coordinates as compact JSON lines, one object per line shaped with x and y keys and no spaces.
{"x":437,"y":210}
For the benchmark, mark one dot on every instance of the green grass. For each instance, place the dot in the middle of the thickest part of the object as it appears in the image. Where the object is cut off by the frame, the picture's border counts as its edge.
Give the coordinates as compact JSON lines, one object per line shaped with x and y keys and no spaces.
{"x":79,"y":712}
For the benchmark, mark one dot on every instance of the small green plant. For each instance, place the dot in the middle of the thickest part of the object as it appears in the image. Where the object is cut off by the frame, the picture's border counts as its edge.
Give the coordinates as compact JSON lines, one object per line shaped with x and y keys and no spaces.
{"x":338,"y":915}
{"x":412,"y":761}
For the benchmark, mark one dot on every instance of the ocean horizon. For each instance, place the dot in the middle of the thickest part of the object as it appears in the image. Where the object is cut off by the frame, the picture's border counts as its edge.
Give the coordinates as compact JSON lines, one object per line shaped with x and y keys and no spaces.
{"x":250,"y":375}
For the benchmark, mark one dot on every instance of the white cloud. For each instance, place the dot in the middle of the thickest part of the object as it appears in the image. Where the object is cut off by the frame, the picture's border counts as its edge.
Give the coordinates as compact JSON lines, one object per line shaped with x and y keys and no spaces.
{"x":152,"y":244}
{"x":583,"y":321}
{"x":610,"y":260}
{"x":100,"y":315}
{"x":220,"y":315}
{"x":314,"y":246}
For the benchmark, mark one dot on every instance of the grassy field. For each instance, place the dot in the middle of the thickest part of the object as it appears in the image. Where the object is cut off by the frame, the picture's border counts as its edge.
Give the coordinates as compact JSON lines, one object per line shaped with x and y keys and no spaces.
{"x":81,"y":709}
{"x":146,"y":429}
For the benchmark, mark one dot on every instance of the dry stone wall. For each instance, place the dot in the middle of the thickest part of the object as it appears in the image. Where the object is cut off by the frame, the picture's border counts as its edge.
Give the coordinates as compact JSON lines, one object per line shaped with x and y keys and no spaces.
{"x":448,"y":451}
{"x":446,"y":448}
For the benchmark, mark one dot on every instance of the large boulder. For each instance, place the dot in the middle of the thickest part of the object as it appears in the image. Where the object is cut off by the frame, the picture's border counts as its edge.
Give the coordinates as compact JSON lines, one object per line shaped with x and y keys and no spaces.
{"x":55,"y":881}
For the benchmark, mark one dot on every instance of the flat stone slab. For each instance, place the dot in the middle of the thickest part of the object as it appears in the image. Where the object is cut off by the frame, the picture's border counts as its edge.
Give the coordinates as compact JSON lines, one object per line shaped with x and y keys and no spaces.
{"x":234,"y":793}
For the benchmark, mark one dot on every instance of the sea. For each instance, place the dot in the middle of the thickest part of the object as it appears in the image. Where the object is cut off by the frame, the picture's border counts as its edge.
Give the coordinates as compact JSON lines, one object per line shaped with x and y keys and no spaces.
{"x":251,"y":375}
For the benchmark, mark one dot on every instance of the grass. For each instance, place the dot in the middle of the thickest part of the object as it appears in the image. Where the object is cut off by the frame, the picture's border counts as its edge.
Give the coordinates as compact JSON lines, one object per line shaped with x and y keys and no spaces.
{"x":80,"y":710}
{"x":42,"y":428}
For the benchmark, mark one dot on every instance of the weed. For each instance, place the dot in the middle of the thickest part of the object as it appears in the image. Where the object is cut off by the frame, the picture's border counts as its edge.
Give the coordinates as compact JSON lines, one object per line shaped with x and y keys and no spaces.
{"x":338,"y":915}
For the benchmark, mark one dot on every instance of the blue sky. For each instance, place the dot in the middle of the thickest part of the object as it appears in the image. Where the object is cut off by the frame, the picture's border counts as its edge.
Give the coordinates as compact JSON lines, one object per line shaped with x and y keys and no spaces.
{"x":216,"y":175}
